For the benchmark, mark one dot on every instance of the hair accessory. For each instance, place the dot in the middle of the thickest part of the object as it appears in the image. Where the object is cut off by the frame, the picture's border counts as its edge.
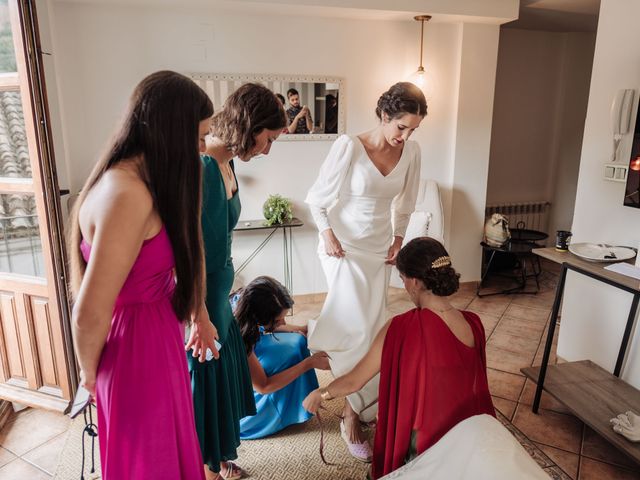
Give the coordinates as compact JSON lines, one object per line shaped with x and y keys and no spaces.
{"x":441,"y":262}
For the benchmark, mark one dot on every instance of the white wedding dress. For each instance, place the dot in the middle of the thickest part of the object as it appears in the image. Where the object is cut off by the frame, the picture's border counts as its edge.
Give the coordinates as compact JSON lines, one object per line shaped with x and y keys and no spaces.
{"x":365,"y":209}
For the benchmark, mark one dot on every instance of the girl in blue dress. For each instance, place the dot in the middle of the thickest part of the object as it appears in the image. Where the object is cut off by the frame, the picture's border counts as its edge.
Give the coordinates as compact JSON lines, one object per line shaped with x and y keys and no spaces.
{"x":280,"y":364}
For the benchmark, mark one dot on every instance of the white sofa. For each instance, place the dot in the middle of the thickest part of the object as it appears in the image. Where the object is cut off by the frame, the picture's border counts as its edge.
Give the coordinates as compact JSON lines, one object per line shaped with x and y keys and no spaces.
{"x":426,"y":221}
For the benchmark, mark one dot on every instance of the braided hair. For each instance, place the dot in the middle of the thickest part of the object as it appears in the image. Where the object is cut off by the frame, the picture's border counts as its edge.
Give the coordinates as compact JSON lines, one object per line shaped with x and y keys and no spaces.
{"x":400,"y":99}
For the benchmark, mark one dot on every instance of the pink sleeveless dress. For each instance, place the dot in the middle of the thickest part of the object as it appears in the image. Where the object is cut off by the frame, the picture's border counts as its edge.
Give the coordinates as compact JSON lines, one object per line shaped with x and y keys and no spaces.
{"x":145,"y":411}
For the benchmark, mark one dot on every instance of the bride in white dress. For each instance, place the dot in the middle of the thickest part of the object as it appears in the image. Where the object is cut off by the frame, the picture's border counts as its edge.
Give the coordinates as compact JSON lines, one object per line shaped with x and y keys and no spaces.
{"x":361,"y":202}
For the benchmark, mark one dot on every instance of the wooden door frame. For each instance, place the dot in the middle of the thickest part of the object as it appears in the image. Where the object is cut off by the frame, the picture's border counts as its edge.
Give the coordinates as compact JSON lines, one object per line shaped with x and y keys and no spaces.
{"x":49,"y":177}
{"x":44,"y":187}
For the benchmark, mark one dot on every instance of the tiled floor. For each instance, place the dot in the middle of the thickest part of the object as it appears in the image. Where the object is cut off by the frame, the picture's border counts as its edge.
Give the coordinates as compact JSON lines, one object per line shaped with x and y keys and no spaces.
{"x":515,"y":326}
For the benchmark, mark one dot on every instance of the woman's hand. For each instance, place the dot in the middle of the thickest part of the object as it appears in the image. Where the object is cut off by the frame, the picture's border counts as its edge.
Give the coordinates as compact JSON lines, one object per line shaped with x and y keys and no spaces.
{"x":320,"y":361}
{"x":202,"y":336}
{"x":332,"y":245}
{"x":392,"y":254}
{"x":88,"y":381}
{"x":313,"y":401}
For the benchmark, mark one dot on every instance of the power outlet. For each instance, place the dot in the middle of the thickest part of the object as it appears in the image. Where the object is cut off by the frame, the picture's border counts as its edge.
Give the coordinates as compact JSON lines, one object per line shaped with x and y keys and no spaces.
{"x":615,"y":172}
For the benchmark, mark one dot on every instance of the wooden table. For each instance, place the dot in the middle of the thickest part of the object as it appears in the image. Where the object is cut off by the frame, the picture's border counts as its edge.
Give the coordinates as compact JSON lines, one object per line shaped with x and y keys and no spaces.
{"x":286,"y":227}
{"x":590,"y":392}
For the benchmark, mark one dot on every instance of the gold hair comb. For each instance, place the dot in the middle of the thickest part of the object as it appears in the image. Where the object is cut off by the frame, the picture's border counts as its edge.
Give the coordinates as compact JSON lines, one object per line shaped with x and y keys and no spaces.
{"x":441,"y":262}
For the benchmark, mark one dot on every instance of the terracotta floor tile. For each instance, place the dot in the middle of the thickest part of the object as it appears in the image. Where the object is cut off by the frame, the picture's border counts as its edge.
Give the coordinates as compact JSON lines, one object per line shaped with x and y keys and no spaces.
{"x":547,"y":401}
{"x":461,"y":303}
{"x":594,"y":470}
{"x":506,"y":360}
{"x":551,"y":428}
{"x":46,"y":456}
{"x":21,"y":470}
{"x":505,"y":385}
{"x":597,"y":448}
{"x":537,"y":360}
{"x":513,"y":343}
{"x":468,"y":287}
{"x":400,"y":306}
{"x":304,"y":299}
{"x":523,"y":328}
{"x":305,"y":312}
{"x":491,"y":305}
{"x":489,"y":323}
{"x":532,"y":314}
{"x":505,"y":407}
{"x":6,"y":456}
{"x":29,"y":431}
{"x":567,"y":461}
{"x":543,"y":300}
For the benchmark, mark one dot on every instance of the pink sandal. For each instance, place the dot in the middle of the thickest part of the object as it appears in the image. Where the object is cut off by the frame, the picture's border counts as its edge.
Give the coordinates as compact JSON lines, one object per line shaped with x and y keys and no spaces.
{"x":359,"y":451}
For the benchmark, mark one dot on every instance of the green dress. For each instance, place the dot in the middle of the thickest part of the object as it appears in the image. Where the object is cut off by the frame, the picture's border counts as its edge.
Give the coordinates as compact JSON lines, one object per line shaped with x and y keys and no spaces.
{"x":222,"y":389}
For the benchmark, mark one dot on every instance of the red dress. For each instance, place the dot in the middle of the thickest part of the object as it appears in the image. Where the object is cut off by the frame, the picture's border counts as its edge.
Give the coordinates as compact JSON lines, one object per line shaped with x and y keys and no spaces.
{"x":429,"y":382}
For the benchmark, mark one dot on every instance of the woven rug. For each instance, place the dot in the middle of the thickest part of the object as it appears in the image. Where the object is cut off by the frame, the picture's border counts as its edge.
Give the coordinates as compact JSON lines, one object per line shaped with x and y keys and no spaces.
{"x":292,"y":454}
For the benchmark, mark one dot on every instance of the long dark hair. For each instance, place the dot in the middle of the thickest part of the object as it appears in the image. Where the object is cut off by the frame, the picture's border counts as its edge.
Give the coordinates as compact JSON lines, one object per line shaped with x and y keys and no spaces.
{"x":260,"y":304}
{"x":246,"y":112}
{"x":161,"y":127}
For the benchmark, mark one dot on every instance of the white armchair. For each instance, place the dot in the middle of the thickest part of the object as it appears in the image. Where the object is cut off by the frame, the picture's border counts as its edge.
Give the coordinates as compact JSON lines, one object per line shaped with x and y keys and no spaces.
{"x":426,"y":221}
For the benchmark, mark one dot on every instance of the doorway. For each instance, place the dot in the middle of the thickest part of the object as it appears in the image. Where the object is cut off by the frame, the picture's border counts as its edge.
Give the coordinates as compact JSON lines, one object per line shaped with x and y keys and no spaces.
{"x":36,"y":359}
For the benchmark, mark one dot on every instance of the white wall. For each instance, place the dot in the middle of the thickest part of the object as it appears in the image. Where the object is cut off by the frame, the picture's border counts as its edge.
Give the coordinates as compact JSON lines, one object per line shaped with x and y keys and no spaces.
{"x":593,"y":314}
{"x":577,"y":50}
{"x":542,"y":90}
{"x":101,"y":52}
{"x":478,"y":53}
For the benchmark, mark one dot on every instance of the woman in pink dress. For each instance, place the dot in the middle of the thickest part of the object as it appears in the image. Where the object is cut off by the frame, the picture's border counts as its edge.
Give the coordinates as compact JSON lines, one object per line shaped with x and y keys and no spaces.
{"x":137,"y":273}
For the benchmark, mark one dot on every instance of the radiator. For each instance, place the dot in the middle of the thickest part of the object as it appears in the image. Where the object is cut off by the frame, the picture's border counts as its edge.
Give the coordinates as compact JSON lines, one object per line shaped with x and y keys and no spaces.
{"x":529,"y":215}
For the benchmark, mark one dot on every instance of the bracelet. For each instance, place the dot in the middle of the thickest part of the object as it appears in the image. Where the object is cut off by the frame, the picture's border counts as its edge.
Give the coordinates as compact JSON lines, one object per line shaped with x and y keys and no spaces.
{"x":325,"y":394}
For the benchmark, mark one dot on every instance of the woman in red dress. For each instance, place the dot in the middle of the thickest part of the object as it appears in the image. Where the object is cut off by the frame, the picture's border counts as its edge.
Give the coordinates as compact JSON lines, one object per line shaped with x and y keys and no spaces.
{"x":431,"y":361}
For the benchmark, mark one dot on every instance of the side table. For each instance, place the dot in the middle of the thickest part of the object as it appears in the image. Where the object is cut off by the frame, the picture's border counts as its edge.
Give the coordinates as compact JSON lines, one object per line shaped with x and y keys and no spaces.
{"x":287,"y":227}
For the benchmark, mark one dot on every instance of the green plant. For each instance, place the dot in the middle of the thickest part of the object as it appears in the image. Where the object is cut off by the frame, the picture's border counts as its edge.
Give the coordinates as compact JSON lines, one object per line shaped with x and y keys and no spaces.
{"x":277,"y":210}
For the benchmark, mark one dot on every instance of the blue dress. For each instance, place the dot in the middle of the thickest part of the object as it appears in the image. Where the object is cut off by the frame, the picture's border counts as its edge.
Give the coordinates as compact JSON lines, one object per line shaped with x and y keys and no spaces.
{"x":277,"y":352}
{"x":275,"y":411}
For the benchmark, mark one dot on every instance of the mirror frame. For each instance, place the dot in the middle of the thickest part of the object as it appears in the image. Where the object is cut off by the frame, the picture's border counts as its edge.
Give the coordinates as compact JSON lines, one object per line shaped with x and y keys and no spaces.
{"x":267,"y":77}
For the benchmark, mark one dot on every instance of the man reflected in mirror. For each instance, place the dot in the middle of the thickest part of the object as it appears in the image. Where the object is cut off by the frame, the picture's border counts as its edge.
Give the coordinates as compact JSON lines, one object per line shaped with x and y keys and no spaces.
{"x":299,"y":116}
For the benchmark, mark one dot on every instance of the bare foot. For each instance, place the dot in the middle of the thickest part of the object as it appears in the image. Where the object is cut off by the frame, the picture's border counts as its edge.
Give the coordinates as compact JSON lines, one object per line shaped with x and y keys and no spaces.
{"x":229,"y":470}
{"x":209,"y":475}
{"x":352,"y":424}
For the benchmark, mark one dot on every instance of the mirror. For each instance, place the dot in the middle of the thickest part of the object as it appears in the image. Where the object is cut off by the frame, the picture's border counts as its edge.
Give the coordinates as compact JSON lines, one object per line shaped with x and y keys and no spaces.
{"x":314,"y":105}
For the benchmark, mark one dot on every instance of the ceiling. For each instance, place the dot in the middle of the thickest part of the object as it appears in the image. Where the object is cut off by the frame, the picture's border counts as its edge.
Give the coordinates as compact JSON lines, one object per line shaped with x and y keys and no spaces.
{"x":558,"y":15}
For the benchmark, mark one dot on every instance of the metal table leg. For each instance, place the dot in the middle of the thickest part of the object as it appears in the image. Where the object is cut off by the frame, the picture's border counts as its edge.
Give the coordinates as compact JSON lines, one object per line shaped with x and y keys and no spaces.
{"x":627,"y":335}
{"x":550,"y":333}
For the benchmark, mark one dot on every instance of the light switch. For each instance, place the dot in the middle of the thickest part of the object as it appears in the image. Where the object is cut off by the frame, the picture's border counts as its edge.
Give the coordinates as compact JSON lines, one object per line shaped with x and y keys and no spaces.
{"x":615,"y":172}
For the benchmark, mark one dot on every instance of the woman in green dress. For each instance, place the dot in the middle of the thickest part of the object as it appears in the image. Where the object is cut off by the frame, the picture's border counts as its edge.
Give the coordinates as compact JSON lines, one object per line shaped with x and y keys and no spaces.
{"x":251,"y":119}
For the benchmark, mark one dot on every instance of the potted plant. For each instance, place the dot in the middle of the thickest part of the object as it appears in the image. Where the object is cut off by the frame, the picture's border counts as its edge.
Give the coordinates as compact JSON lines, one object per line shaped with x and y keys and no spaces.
{"x":277,"y":210}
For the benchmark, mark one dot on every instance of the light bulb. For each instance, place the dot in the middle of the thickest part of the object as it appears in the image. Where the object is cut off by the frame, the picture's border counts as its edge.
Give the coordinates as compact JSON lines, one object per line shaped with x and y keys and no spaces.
{"x":417,"y":77}
{"x":635,"y":165}
{"x":423,"y":79}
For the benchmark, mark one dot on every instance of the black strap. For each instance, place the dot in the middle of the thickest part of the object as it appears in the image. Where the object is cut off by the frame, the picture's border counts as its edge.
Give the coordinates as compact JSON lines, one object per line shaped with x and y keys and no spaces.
{"x":91,"y":429}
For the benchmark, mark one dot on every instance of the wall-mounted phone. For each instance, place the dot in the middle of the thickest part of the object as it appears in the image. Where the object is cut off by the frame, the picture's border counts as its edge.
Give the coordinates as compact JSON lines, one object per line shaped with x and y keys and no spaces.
{"x":621,"y":117}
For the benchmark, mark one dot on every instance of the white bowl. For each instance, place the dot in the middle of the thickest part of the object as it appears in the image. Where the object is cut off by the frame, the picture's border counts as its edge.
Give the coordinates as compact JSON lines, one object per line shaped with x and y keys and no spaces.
{"x":599,"y":252}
